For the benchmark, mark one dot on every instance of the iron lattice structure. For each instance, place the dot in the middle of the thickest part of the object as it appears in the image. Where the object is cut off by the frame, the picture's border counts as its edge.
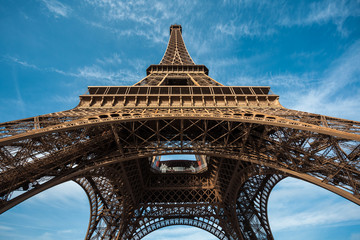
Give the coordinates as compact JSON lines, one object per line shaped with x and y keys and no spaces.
{"x":244,"y":141}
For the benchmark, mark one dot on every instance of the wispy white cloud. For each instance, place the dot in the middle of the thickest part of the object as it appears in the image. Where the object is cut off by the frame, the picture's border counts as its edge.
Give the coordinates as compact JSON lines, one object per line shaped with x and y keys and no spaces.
{"x":330,"y":11}
{"x":6,"y":228}
{"x":287,"y":81}
{"x":295,"y":204}
{"x":64,"y":194}
{"x":17,"y":99}
{"x":319,"y":214}
{"x":62,"y":212}
{"x":272,"y":15}
{"x":156,"y":35}
{"x":57,"y":8}
{"x":149,"y":19}
{"x":322,"y":12}
{"x":99,"y":73}
{"x":247,"y":29}
{"x":112,"y":60}
{"x":65,"y":99}
{"x":14,"y":226}
{"x":118,"y":77}
{"x":305,"y":55}
{"x":45,"y":234}
{"x":95,"y":72}
{"x":20,"y":62}
{"x":106,"y":71}
{"x":126,"y":10}
{"x":334,"y":91}
{"x":180,"y":233}
{"x":337,"y":91}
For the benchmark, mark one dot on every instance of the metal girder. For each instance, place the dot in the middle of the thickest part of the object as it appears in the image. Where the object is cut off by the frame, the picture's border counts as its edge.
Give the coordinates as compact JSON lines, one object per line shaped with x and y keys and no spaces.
{"x":236,"y":115}
{"x":306,"y":155}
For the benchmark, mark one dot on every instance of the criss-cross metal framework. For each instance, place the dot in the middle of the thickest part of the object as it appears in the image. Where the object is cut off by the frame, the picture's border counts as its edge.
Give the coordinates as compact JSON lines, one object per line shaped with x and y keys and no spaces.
{"x":244,"y":140}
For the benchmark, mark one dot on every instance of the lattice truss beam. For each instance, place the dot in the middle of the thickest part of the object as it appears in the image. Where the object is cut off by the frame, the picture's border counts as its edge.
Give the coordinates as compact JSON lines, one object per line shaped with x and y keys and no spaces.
{"x":193,"y":79}
{"x":109,"y":159}
{"x":89,"y":116}
{"x":176,"y":53}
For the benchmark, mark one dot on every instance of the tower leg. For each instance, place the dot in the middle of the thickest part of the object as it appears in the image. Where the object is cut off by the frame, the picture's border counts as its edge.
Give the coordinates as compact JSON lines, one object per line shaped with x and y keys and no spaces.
{"x":251,"y":206}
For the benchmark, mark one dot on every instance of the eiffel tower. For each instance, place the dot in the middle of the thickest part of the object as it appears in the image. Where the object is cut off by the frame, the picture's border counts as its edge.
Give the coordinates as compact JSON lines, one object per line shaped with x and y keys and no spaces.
{"x":178,"y":148}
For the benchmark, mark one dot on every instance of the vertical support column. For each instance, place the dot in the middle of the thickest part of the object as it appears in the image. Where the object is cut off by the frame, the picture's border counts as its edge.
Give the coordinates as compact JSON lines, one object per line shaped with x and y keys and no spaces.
{"x":251,"y":206}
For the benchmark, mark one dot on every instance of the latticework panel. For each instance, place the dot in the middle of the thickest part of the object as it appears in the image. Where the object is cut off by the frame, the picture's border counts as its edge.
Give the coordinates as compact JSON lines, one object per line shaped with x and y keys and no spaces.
{"x":115,"y":159}
{"x":174,"y":206}
{"x":90,"y":116}
{"x":176,"y":52}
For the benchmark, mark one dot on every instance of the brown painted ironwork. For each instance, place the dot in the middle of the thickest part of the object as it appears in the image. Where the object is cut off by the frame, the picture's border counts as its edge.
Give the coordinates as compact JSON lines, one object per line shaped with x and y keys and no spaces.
{"x":245,"y":142}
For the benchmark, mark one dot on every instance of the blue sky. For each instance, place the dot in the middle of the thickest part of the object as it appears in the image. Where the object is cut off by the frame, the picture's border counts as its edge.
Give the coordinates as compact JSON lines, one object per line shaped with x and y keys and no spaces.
{"x":307,"y":51}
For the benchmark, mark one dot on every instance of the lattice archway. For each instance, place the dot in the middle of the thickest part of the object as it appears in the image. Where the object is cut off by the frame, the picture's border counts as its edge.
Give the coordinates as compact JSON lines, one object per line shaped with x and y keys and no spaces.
{"x":209,"y":225}
{"x":295,"y":152}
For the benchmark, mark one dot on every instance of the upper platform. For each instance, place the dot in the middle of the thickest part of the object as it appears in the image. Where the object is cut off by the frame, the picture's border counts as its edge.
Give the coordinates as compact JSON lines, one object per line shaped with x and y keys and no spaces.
{"x":177,"y":82}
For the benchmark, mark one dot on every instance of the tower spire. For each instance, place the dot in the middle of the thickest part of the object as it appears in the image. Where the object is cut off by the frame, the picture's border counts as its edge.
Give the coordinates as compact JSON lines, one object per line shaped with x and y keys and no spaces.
{"x":176,"y":52}
{"x":177,"y":67}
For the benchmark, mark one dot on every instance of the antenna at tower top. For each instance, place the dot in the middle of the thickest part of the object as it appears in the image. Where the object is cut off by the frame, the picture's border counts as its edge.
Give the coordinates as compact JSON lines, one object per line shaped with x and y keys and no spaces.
{"x":175,"y":26}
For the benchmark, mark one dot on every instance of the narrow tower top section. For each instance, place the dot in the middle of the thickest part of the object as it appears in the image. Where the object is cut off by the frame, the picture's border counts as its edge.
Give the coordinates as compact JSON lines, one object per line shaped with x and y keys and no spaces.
{"x":176,"y":67}
{"x":176,"y":53}
{"x":175,"y":26}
